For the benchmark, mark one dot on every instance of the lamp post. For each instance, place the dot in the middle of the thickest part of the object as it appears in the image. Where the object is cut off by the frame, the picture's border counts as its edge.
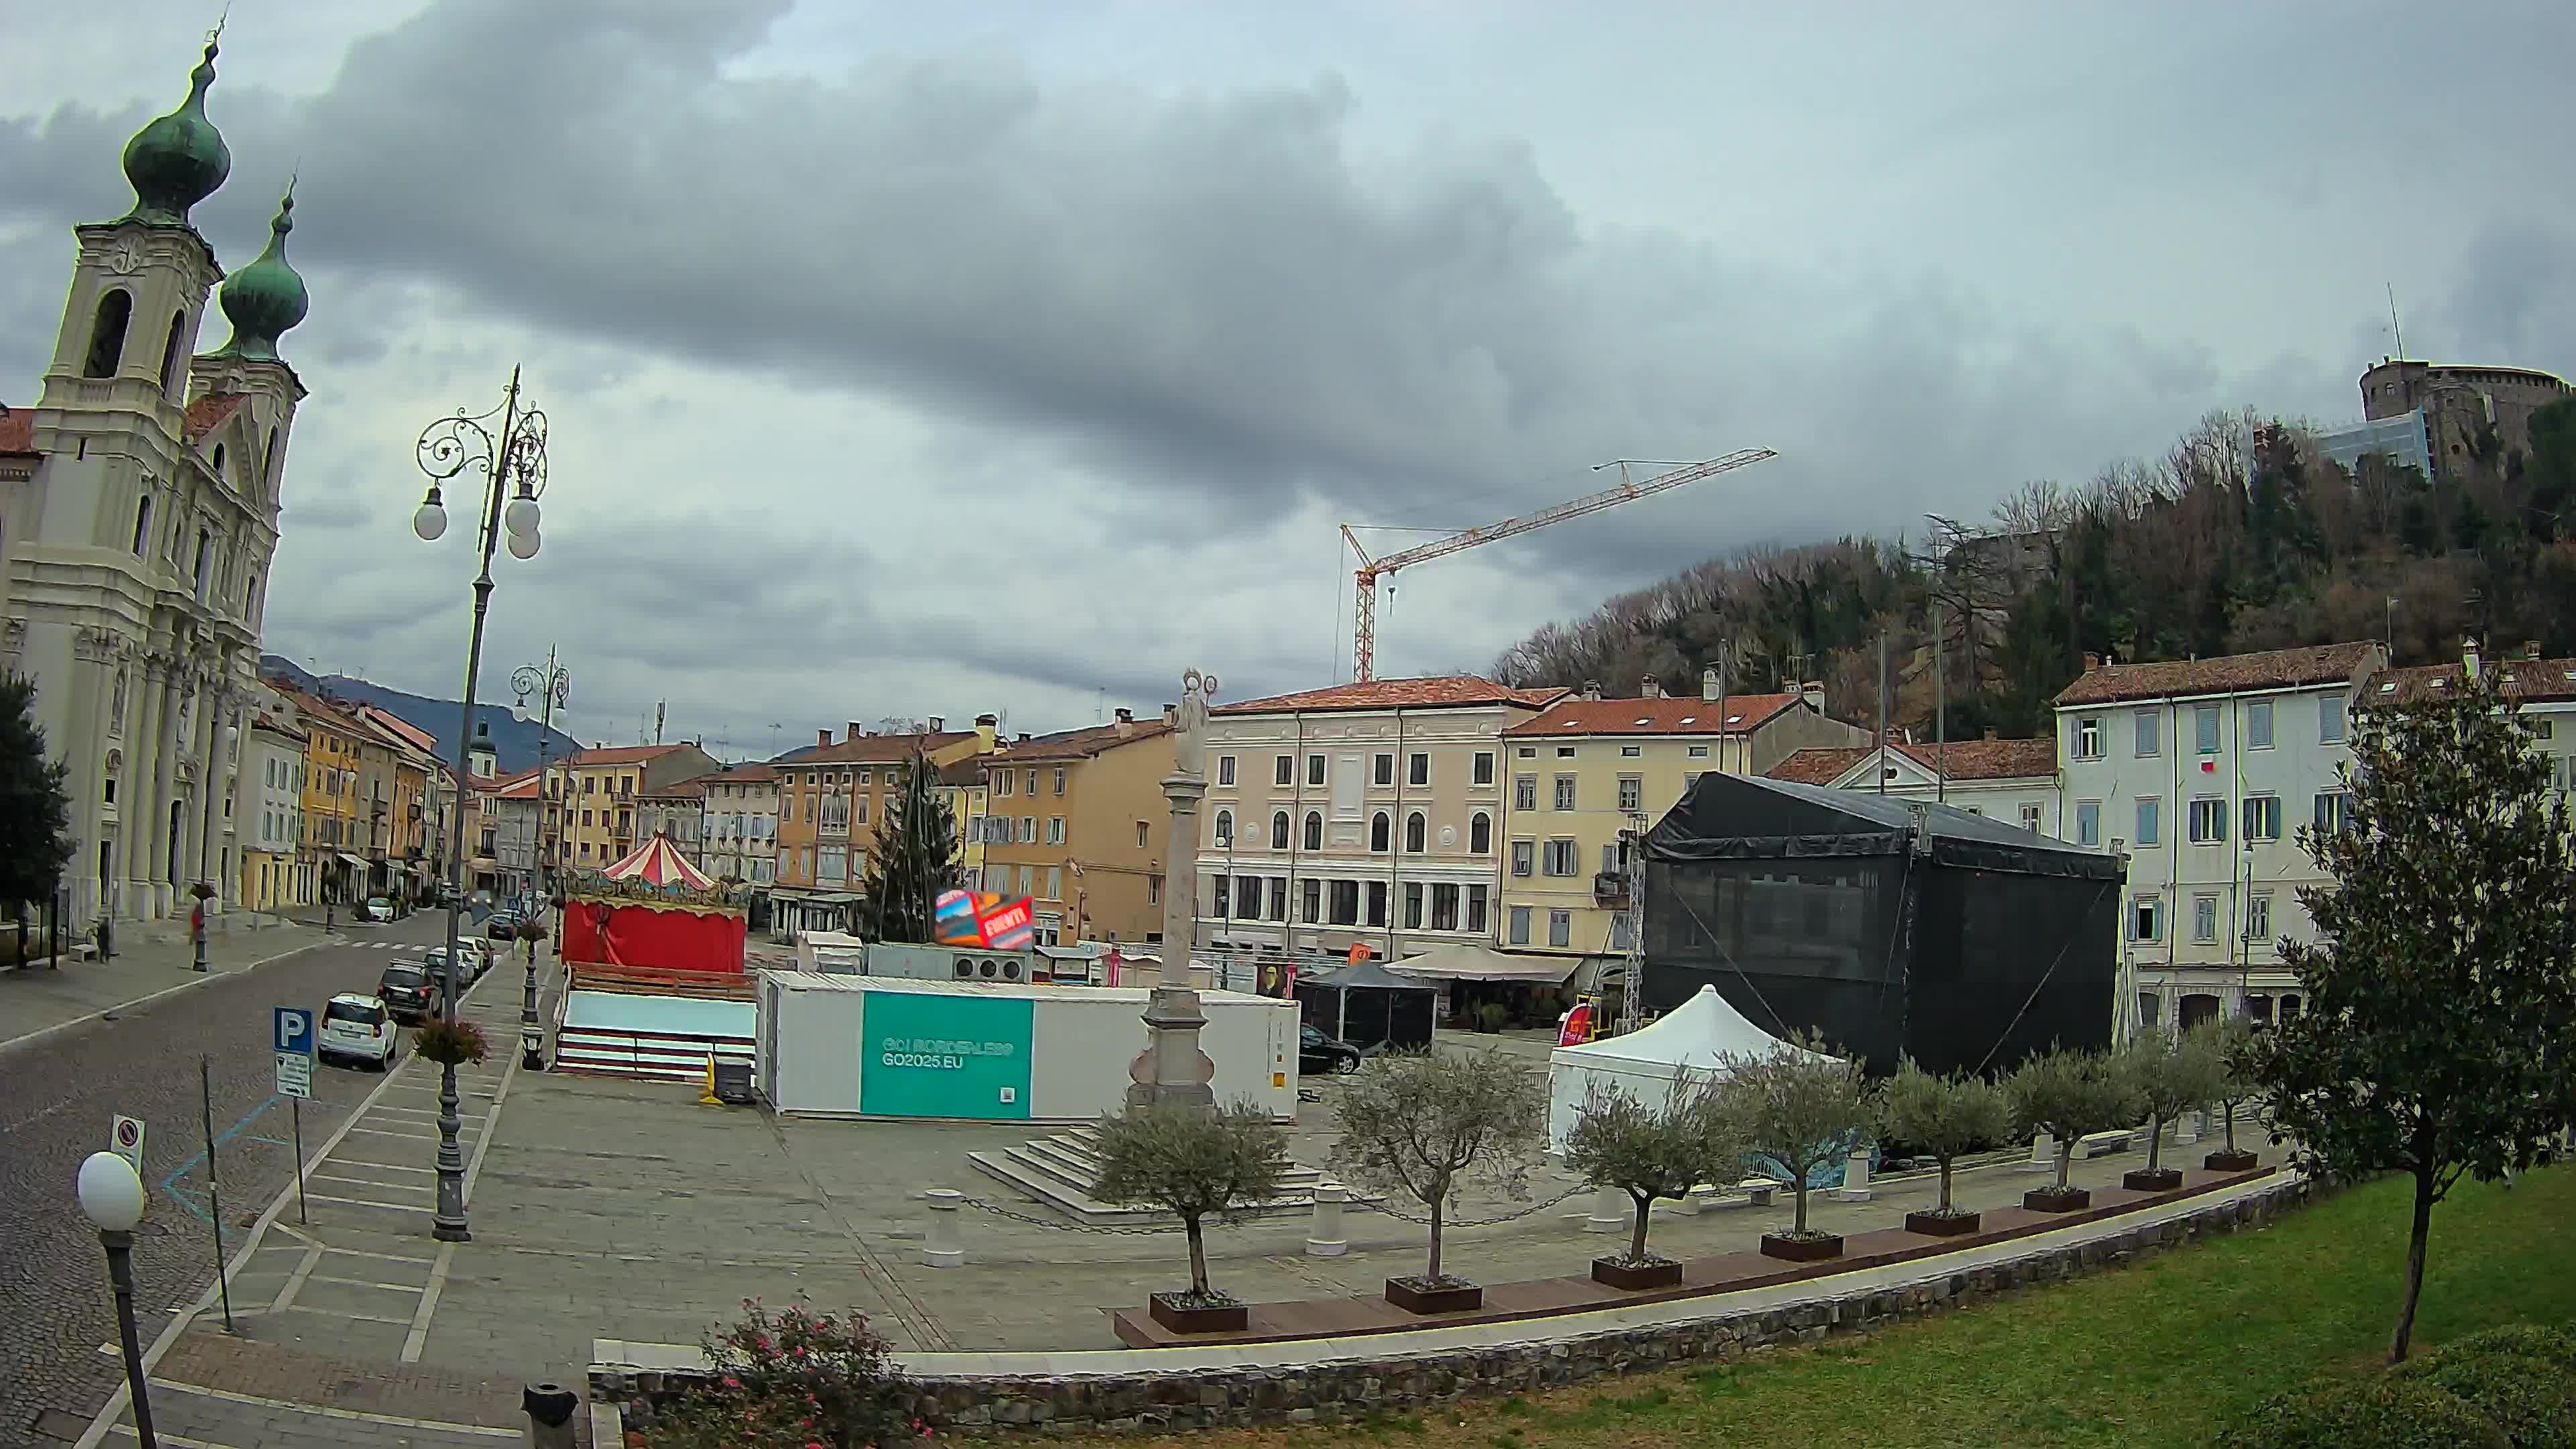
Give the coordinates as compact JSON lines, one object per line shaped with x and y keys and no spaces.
{"x":111,"y":1197}
{"x":552,"y":685}
{"x":517,"y":456}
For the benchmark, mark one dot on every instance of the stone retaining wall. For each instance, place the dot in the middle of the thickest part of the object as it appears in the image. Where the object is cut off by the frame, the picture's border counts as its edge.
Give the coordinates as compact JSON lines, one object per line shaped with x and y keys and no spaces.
{"x":1327,"y":1391}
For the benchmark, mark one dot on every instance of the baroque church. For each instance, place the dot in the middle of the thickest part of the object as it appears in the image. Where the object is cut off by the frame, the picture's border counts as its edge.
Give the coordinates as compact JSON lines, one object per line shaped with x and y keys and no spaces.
{"x":138,"y":515}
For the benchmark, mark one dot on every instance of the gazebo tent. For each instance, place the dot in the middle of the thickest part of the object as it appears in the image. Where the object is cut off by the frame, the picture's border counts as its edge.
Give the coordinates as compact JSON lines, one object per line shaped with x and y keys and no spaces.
{"x":1369,"y":1006}
{"x":1891,"y":927}
{"x":653,"y":911}
{"x":1691,"y":1040}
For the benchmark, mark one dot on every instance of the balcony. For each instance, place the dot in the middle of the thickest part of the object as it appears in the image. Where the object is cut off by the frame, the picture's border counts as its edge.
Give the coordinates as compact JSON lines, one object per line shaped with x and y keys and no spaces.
{"x":1610,"y":889}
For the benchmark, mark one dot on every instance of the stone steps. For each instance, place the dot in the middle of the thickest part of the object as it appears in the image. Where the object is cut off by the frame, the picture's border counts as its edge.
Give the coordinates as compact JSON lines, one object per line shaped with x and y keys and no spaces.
{"x":1063,"y":1172}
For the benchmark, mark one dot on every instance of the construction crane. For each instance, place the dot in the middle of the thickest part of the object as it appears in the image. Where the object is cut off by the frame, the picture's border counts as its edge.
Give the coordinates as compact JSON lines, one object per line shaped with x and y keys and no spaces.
{"x":1364,"y":628}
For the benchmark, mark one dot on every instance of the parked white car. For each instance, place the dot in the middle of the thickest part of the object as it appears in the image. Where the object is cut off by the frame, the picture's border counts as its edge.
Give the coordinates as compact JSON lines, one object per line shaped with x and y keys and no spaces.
{"x":380,"y":908}
{"x":472,"y":960}
{"x":357,"y":1028}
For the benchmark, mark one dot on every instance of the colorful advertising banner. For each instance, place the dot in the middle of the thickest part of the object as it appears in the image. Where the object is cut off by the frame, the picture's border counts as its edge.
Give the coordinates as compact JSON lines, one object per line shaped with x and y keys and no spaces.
{"x":1578,"y":1026}
{"x":941,"y":1055}
{"x":983,"y":921}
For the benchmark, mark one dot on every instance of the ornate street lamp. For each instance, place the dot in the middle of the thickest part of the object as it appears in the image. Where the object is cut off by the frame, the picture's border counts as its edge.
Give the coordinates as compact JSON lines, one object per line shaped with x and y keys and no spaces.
{"x":111,"y":1197}
{"x":513,"y":465}
{"x":553,"y":685}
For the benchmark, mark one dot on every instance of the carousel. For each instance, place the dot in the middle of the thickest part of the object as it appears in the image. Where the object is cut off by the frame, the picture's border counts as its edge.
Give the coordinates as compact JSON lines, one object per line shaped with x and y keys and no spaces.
{"x":653,"y":947}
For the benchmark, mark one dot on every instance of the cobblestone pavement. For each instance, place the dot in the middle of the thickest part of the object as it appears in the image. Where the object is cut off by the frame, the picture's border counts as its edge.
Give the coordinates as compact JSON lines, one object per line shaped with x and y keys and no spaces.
{"x":57,"y":1096}
{"x":332,"y":1300}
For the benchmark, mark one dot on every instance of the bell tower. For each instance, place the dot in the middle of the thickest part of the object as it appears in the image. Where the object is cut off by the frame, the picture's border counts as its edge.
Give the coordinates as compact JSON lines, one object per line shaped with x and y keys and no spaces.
{"x":116,"y":393}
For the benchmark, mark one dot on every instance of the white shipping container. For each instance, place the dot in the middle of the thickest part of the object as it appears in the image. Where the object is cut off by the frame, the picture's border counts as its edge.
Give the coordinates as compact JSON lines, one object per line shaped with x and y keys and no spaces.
{"x":871,"y":1046}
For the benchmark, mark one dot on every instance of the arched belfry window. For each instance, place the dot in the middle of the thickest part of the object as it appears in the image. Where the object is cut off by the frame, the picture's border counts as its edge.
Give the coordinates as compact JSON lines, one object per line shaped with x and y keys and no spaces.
{"x":107,"y":333}
{"x":170,"y":379}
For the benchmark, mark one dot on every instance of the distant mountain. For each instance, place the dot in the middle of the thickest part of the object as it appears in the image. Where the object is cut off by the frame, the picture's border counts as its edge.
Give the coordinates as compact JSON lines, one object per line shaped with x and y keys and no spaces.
{"x":515,"y":742}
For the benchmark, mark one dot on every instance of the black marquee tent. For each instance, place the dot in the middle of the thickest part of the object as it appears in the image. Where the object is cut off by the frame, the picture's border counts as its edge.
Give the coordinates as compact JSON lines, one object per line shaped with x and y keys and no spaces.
{"x":1890,"y":926}
{"x":1368,"y":1006}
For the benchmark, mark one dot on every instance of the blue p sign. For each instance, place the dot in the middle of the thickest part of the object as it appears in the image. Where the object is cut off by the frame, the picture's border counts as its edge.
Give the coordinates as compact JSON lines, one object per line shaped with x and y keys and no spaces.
{"x":294,"y":1030}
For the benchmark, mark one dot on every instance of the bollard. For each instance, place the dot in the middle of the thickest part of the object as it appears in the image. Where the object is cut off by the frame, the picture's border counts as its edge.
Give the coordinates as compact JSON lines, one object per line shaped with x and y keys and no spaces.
{"x":2043,"y":1154}
{"x":1324,"y":1235}
{"x":550,"y":1409}
{"x":1610,"y":1209}
{"x":1855,"y":1186}
{"x":941,"y":1246}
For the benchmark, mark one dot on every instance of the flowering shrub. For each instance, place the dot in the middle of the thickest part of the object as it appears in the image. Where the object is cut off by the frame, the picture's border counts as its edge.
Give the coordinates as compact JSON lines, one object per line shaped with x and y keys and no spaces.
{"x":531,"y":930}
{"x":794,"y":1378}
{"x":450,"y":1043}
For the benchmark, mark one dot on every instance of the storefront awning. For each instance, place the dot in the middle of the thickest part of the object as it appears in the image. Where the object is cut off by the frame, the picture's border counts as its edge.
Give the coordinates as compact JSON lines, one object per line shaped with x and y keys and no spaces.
{"x":1478,"y":963}
{"x":359,"y":861}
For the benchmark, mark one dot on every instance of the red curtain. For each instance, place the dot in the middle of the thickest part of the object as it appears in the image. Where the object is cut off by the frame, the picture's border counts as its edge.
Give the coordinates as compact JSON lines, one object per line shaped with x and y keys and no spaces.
{"x":646,"y":938}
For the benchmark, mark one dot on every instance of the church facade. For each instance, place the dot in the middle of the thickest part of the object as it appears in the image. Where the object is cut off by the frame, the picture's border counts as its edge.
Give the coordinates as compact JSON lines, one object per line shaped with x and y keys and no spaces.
{"x":138,"y":518}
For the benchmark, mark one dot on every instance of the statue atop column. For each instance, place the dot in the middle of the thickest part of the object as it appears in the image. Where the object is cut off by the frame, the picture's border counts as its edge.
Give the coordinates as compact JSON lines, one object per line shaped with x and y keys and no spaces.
{"x":1172,"y":1071}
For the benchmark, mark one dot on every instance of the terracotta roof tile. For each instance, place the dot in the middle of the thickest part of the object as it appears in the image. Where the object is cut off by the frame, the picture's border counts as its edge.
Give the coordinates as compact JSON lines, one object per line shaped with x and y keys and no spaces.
{"x":523,"y":787}
{"x":875,"y":749}
{"x":966,"y":773}
{"x":751,"y":774}
{"x":1435,"y":692}
{"x":2526,"y":679}
{"x":694,"y":787}
{"x":2273,"y":669}
{"x":17,"y":430}
{"x":622,"y":754}
{"x":1817,"y":765}
{"x":1079,"y":744}
{"x":209,"y":412}
{"x":1664,"y":716}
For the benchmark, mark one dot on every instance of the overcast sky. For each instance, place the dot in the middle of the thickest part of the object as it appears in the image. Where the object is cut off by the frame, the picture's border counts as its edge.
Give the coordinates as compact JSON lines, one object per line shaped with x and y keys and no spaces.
{"x":927,"y":360}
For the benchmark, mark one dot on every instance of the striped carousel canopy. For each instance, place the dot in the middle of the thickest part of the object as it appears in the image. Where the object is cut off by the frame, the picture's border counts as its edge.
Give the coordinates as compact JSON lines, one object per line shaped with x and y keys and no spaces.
{"x":657,"y":862}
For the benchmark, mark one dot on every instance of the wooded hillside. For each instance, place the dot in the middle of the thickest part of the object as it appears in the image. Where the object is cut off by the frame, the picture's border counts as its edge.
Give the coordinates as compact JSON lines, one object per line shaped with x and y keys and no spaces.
{"x":2241,"y":537}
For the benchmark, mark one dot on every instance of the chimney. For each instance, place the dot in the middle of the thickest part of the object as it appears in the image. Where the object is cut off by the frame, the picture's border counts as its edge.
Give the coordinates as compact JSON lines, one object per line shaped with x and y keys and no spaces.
{"x":1023,"y":739}
{"x":2531,"y":649}
{"x":822,"y":737}
{"x":2469,"y":657}
{"x":1990,"y":732}
{"x":939,"y":724}
{"x":2092,"y":661}
{"x":988,"y":728}
{"x":1126,"y":722}
{"x":1172,"y":715}
{"x":1814,"y":694}
{"x":856,"y":732}
{"x":1592,"y":689}
{"x":1654,"y":687}
{"x":1708,"y":686}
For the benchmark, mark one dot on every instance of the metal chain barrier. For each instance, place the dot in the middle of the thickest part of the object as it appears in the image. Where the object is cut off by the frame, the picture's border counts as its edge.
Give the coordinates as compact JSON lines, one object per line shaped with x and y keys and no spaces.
{"x":1448,"y":1223}
{"x":1111,"y":1229}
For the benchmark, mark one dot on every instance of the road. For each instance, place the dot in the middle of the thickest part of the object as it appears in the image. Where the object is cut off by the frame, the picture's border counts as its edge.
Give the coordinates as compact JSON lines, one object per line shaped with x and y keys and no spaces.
{"x":56,"y":1100}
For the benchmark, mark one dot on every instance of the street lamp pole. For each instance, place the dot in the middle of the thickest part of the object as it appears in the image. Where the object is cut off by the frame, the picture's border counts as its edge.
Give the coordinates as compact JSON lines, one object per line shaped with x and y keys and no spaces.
{"x":111,"y":1197}
{"x":447,"y":448}
{"x":553,"y":685}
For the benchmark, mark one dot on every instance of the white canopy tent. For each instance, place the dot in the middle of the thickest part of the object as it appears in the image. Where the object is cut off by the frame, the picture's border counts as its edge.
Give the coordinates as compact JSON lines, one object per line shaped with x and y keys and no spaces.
{"x":1691,"y":1039}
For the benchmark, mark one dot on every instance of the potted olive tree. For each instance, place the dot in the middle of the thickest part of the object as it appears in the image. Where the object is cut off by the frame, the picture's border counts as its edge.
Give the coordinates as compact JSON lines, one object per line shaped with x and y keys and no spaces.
{"x":2233,"y":1043}
{"x":1947,"y":1117}
{"x":2069,"y":1094}
{"x":2171,"y":1077}
{"x":1423,"y":1126}
{"x":1802,"y":1107}
{"x":1651,"y":1154}
{"x":1193,"y":1165}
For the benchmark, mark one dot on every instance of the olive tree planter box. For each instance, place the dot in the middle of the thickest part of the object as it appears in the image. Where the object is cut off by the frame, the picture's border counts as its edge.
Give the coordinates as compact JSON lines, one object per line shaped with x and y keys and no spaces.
{"x":2151,"y":1179}
{"x":1802,"y":1250}
{"x":1637,"y":1277}
{"x":2051,"y":1200}
{"x":1415,"y":1296}
{"x":1180,"y":1317}
{"x":1942,"y":1225}
{"x":2237,"y":1161}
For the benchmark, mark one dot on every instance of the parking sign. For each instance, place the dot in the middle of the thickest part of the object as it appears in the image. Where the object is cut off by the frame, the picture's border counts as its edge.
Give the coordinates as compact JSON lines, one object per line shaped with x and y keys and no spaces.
{"x":292,"y":1037}
{"x":126,"y":1140}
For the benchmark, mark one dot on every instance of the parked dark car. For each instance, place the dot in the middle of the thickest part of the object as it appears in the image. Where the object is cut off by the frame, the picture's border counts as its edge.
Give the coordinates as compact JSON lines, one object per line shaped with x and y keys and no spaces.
{"x":407,"y":991}
{"x":503,"y":926}
{"x":1317,"y":1052}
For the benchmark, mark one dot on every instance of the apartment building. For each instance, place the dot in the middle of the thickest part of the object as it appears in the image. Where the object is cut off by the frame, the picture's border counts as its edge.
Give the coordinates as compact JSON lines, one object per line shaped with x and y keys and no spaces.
{"x":741,"y":829}
{"x":595,"y":792}
{"x":832,"y":796}
{"x":335,"y":838}
{"x":676,"y":811}
{"x":2202,"y":770}
{"x":964,"y":786}
{"x":2014,"y":780}
{"x":1369,"y":813}
{"x":274,"y":876}
{"x":1077,"y":821}
{"x":1586,"y":772}
{"x":2544,"y":689}
{"x":505,"y":850}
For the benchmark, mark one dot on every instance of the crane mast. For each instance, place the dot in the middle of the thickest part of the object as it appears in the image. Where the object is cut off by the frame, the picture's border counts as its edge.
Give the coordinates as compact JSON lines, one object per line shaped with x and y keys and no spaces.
{"x":1364,"y":624}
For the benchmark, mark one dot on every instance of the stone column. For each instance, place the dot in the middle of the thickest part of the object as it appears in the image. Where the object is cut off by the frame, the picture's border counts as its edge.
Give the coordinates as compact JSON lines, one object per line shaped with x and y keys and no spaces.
{"x":89,"y":773}
{"x":1172,"y":1071}
{"x":146,"y":708}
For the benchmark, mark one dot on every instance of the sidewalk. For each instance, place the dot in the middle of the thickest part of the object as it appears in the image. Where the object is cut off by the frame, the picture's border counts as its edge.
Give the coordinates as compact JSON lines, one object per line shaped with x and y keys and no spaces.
{"x":37,"y":999}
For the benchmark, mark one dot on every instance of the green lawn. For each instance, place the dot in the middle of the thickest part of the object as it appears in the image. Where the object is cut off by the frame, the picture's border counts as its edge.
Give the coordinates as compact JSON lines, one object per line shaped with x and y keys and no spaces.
{"x":2155,"y":1354}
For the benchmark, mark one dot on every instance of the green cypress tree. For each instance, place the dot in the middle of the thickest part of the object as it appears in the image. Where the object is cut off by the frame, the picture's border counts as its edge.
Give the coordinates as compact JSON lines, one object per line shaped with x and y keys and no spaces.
{"x":914,"y":860}
{"x":35,"y":812}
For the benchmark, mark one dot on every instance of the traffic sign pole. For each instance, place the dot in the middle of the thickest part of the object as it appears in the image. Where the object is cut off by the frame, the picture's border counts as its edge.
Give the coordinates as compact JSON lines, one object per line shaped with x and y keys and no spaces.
{"x":295,"y":1106}
{"x":291,"y":1036}
{"x":214,"y":1190}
